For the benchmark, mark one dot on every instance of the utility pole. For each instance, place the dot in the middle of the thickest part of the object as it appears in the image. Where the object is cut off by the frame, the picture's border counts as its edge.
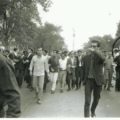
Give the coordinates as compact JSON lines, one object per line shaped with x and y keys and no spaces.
{"x":73,"y":39}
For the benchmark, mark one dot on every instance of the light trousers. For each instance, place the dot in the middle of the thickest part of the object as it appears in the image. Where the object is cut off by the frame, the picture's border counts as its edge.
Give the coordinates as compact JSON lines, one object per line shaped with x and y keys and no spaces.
{"x":62,"y":78}
{"x":53,"y":78}
{"x":38,"y":82}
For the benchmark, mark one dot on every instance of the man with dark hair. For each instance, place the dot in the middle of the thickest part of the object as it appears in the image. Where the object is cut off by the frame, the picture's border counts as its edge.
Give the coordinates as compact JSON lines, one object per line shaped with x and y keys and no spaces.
{"x":37,"y":68}
{"x":71,"y":67}
{"x":53,"y":67}
{"x":80,"y":69}
{"x":9,"y":90}
{"x":93,"y":77}
{"x":46,"y":79}
{"x":27,"y":60}
{"x":62,"y":71}
{"x":117,"y":69}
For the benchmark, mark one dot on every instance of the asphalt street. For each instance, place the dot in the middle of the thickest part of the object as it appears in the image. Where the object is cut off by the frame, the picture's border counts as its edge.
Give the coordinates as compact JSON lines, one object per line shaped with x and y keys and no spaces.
{"x":67,"y":104}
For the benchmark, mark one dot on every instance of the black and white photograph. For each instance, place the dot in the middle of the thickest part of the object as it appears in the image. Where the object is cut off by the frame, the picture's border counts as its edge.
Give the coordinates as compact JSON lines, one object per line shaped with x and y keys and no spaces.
{"x":60,"y":59}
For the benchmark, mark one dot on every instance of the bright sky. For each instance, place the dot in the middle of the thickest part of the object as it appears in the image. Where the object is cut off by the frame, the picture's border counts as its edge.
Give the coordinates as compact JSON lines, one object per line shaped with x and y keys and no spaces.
{"x":86,"y":17}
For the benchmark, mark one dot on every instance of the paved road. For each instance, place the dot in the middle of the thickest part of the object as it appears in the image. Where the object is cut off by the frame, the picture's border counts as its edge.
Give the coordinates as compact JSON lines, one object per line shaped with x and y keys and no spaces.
{"x":67,"y":104}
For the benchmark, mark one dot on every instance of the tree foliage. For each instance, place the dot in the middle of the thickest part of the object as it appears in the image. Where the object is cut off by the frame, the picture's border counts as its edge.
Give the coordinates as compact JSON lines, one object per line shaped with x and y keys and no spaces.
{"x":118,"y":35}
{"x":16,"y":19}
{"x":49,"y":37}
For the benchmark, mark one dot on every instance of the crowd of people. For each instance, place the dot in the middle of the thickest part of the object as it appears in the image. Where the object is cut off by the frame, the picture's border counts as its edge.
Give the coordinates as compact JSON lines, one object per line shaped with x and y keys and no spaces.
{"x":93,"y":68}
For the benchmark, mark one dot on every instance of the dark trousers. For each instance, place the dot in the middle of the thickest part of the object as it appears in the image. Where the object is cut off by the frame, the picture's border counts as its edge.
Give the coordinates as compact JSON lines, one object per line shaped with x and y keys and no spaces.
{"x":28,"y":78}
{"x":45,"y":81}
{"x":11,"y":98}
{"x":117,"y":83}
{"x":69,"y":80}
{"x":19,"y":77}
{"x":79,"y":75}
{"x":90,"y":87}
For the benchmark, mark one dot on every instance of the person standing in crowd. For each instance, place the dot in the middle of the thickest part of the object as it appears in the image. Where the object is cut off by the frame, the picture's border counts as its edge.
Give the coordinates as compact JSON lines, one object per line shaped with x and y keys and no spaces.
{"x":9,"y":90}
{"x":93,"y":77}
{"x":53,"y":67}
{"x":19,"y":69}
{"x":46,"y":79}
{"x":76,"y":70}
{"x":62,"y":71}
{"x":117,"y":61}
{"x":108,"y":70}
{"x":37,"y":68}
{"x":71,"y":65}
{"x":80,"y":69}
{"x":27,"y":59}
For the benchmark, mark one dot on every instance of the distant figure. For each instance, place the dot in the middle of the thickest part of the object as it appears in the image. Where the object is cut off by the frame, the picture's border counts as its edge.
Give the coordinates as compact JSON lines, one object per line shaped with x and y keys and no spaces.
{"x":9,"y":90}
{"x":62,"y":71}
{"x":93,"y":77}
{"x":108,"y":70}
{"x":80,"y":69}
{"x":71,"y":67}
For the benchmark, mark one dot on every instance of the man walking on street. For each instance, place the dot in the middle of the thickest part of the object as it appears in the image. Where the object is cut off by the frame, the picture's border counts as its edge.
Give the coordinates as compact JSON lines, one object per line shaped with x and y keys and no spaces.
{"x":53,"y":67}
{"x":37,"y":68}
{"x":93,"y":77}
{"x":62,"y":71}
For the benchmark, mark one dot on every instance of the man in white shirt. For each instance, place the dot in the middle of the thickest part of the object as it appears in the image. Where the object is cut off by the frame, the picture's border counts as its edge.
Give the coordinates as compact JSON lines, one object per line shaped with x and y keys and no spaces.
{"x":62,"y":71}
{"x":38,"y":66}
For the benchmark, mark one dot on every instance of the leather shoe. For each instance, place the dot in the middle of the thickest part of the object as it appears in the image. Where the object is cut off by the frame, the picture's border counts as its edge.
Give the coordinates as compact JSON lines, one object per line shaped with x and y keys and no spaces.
{"x":93,"y":115}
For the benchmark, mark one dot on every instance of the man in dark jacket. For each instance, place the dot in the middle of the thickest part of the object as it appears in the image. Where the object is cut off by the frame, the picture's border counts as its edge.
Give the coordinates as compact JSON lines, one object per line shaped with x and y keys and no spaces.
{"x":93,"y":76}
{"x":117,"y":68}
{"x":9,"y":90}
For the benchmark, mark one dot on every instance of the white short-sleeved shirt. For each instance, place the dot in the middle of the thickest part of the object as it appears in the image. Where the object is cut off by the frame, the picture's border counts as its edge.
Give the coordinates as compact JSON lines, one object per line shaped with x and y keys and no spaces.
{"x":63,"y":63}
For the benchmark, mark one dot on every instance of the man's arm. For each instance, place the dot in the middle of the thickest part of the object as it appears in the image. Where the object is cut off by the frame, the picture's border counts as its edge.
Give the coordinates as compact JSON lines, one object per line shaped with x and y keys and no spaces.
{"x":100,"y":55}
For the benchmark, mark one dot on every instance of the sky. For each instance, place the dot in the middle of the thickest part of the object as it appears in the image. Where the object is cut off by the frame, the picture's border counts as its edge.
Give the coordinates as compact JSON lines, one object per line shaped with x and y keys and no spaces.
{"x":84,"y":18}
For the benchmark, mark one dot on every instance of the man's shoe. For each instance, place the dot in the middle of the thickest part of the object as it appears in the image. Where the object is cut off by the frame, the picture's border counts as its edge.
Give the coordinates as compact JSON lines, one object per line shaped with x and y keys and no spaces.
{"x":77,"y":88}
{"x":61,"y":91}
{"x":31,"y":89}
{"x":93,"y":115}
{"x":39,"y":102}
{"x":52,"y":91}
{"x":68,"y":89}
{"x":108,"y":89}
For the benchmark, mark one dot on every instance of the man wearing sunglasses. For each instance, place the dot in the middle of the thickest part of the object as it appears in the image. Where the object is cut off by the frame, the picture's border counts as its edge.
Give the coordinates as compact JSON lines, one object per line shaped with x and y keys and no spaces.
{"x":92,"y":77}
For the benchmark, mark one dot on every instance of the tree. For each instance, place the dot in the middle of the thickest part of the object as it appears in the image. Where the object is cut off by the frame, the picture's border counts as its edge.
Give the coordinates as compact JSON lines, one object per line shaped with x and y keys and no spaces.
{"x":49,"y":37}
{"x":16,"y":19}
{"x":118,"y":35}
